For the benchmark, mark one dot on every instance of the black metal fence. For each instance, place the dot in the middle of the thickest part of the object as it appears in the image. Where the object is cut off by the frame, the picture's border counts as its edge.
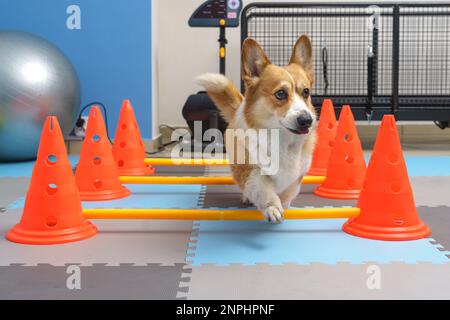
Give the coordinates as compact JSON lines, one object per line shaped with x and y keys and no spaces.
{"x":379,"y":58}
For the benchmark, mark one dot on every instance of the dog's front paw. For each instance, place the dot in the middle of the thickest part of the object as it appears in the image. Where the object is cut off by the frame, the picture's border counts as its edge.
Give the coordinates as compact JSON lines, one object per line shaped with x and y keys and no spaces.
{"x":273,"y":214}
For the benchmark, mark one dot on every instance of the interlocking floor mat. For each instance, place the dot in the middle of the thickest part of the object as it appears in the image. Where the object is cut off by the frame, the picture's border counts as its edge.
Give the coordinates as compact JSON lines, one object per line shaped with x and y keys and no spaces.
{"x":12,"y":190}
{"x":438,"y":219}
{"x":152,"y":281}
{"x":23,"y":169}
{"x":238,"y":259}
{"x":124,"y":241}
{"x":301,"y":242}
{"x":320,"y":281}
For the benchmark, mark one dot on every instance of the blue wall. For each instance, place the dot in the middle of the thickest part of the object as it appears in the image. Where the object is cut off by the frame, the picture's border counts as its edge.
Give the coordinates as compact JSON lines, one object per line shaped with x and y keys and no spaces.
{"x":111,"y":52}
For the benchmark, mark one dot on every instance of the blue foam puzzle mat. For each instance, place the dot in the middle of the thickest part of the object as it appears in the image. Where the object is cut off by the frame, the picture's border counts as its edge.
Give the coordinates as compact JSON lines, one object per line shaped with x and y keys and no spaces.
{"x":153,"y":196}
{"x":144,"y":196}
{"x":428,"y":166}
{"x":301,"y":242}
{"x":18,"y":204}
{"x":425,"y":165}
{"x":24,"y":169}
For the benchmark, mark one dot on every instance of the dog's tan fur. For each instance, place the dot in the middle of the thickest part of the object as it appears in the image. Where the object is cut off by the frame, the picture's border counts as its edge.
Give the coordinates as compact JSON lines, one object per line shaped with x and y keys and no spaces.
{"x":260,"y":109}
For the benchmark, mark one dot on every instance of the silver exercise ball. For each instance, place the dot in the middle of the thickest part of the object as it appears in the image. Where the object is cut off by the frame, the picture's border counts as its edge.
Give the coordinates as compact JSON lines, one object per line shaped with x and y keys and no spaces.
{"x":36,"y":80}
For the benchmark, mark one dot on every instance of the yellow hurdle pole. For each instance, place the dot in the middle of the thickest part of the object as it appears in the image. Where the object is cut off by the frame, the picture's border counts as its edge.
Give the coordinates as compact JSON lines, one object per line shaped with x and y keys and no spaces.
{"x":185,"y":162}
{"x":215,"y":180}
{"x":216,"y":214}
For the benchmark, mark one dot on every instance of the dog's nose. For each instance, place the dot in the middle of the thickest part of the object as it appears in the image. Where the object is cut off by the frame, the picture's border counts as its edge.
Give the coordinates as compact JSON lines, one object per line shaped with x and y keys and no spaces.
{"x":304,"y":121}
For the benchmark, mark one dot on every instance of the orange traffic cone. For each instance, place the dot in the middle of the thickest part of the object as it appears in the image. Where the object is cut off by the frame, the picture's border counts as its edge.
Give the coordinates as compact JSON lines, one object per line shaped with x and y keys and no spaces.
{"x":128,"y":148}
{"x":326,"y":133}
{"x":52,"y":212}
{"x":346,"y":167}
{"x":97,"y":176}
{"x":388,"y":211}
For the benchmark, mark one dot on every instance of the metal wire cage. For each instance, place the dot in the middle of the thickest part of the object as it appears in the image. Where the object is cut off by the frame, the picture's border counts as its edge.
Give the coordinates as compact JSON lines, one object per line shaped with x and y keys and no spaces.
{"x":379,"y":58}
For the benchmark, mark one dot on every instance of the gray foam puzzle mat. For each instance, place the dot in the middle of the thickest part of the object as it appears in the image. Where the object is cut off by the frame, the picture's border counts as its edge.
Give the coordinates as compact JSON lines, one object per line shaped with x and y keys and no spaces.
{"x":179,"y":171}
{"x":152,"y":281}
{"x":11,"y":189}
{"x":438,"y":219}
{"x":319,"y":281}
{"x":431,"y":191}
{"x":153,"y":256}
{"x":119,"y":241}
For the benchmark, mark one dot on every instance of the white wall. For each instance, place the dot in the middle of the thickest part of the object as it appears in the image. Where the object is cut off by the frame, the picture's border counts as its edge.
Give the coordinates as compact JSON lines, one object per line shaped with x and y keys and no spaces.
{"x":185,"y":53}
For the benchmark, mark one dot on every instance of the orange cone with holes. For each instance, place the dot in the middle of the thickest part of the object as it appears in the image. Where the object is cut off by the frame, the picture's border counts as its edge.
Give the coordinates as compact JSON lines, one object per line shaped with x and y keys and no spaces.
{"x":52,"y":212}
{"x":347,"y":166}
{"x":326,"y":133}
{"x":388,"y":211}
{"x":97,"y":175}
{"x":128,"y":148}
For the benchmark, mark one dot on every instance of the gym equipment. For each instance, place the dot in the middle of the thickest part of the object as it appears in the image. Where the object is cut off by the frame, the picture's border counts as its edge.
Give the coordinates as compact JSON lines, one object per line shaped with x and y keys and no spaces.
{"x":213,"y":180}
{"x":365,"y":53}
{"x":217,"y":13}
{"x":128,"y":148}
{"x":386,"y":208}
{"x":388,"y":211}
{"x":97,"y":176}
{"x":217,"y":214}
{"x":346,"y":166}
{"x":52,"y":212}
{"x":326,"y":134}
{"x":36,"y":80}
{"x":220,"y":14}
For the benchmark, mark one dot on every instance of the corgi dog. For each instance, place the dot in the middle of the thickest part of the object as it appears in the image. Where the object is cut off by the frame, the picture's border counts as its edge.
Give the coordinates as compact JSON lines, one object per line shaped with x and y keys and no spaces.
{"x":275,"y":98}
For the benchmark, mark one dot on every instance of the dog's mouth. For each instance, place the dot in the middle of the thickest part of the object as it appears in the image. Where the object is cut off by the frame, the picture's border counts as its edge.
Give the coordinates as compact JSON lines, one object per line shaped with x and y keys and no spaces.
{"x":299,"y":131}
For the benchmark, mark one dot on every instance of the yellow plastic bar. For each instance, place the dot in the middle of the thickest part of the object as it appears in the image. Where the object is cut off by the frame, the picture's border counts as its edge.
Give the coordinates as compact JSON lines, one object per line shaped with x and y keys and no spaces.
{"x":185,"y":162}
{"x":216,"y":214}
{"x":215,"y":180}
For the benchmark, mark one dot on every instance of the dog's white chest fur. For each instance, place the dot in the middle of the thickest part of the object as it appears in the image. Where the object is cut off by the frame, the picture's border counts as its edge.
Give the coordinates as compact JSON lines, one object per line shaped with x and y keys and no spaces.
{"x":293,"y":164}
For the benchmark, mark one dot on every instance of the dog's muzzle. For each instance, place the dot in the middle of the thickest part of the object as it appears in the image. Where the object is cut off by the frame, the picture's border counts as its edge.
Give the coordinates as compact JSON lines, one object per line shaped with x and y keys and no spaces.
{"x":304,"y":123}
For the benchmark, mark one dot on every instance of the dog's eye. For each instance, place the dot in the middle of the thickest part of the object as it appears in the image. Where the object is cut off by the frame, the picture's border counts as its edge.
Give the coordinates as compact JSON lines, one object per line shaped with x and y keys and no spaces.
{"x":305,"y":93}
{"x":281,"y":95}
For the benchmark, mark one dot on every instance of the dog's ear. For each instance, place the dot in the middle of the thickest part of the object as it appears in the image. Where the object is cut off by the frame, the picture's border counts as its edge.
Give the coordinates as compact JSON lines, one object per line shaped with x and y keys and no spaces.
{"x":302,"y":55}
{"x":254,"y":61}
